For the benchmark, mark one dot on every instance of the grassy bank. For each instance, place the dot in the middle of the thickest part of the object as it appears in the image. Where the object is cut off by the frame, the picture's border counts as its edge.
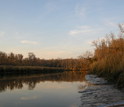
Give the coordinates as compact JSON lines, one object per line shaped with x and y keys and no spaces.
{"x":108,"y":59}
{"x":8,"y":70}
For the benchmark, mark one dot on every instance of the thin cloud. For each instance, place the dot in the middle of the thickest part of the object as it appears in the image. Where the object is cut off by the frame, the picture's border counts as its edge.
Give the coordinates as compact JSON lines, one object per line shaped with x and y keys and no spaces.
{"x":2,"y":34}
{"x":84,"y":30}
{"x":90,"y":42}
{"x":80,"y":11}
{"x":29,"y":42}
{"x":50,"y":6}
{"x":110,"y":23}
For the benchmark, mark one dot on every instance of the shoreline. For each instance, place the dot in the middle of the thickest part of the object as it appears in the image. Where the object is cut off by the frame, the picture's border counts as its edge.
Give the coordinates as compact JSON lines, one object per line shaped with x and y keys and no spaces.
{"x":99,"y":93}
{"x":14,"y":70}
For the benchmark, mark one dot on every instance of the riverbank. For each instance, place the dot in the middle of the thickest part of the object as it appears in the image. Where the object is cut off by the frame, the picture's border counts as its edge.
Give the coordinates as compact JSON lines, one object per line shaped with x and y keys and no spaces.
{"x":116,"y":78}
{"x":99,"y":93}
{"x":108,"y":59}
{"x":11,"y":70}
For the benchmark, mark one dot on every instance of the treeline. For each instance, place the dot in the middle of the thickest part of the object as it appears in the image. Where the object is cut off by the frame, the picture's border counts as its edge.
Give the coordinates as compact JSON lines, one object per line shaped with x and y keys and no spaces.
{"x":108,"y":60}
{"x":11,"y":59}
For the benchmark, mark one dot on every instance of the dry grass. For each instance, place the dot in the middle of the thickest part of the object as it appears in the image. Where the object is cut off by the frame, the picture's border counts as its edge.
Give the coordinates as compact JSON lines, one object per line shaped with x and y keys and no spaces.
{"x":109,"y":59}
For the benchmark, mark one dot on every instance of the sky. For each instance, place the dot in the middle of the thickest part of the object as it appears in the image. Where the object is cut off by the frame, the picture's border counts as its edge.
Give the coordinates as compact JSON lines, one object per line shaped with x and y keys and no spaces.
{"x":56,"y":28}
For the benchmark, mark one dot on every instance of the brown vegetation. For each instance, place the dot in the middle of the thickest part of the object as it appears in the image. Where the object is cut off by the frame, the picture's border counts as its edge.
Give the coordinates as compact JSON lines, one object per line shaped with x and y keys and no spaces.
{"x":108,"y":60}
{"x":16,"y":64}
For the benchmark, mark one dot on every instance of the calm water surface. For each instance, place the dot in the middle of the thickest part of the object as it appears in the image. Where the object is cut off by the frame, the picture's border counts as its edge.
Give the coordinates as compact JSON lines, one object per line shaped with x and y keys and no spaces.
{"x":48,"y":90}
{"x":67,"y":89}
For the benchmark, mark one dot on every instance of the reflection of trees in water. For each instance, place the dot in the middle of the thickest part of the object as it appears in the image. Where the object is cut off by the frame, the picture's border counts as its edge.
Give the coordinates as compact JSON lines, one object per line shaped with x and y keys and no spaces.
{"x":17,"y":82}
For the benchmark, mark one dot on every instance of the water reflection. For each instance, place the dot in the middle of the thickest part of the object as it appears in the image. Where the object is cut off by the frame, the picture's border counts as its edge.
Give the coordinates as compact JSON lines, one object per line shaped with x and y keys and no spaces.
{"x":18,"y":82}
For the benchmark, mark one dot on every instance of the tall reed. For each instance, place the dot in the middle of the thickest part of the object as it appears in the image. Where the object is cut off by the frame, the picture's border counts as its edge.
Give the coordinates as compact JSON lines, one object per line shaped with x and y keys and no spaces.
{"x":108,"y":60}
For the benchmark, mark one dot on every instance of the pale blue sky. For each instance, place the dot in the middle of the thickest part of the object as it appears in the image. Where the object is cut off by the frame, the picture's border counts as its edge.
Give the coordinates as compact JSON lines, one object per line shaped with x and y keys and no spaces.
{"x":56,"y":28}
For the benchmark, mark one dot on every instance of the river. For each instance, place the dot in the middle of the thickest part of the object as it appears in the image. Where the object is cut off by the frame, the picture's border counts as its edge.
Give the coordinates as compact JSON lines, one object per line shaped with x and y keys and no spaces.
{"x":67,"y":89}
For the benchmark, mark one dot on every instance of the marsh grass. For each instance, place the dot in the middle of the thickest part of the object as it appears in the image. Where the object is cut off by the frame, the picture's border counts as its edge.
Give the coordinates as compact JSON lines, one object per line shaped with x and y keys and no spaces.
{"x":109,"y":59}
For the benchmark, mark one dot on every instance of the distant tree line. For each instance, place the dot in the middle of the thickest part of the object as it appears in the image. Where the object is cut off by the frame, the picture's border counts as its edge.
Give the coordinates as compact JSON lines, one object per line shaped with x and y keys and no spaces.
{"x":80,"y":63}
